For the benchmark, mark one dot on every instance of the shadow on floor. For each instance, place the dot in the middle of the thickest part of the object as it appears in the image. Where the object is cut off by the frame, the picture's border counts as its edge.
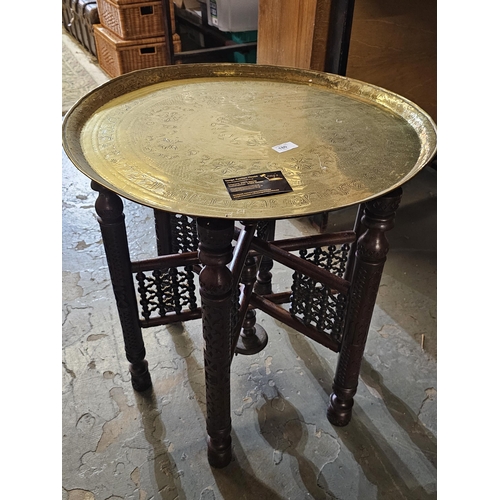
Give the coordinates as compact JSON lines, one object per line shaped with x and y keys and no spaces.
{"x":239,"y":480}
{"x":165,"y":478}
{"x":282,"y":425}
{"x":379,"y":462}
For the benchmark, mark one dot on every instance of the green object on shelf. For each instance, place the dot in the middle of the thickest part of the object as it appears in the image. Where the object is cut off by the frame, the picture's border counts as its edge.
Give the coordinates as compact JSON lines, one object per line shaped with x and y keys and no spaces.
{"x":244,"y":37}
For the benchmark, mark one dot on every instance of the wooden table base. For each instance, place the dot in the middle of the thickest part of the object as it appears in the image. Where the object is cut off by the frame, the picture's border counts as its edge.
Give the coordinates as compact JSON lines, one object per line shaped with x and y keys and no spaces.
{"x":234,"y":283}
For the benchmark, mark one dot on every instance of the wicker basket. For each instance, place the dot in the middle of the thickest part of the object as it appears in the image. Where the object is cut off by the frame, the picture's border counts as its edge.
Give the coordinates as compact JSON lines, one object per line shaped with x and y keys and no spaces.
{"x":132,"y":21}
{"x":117,"y":56}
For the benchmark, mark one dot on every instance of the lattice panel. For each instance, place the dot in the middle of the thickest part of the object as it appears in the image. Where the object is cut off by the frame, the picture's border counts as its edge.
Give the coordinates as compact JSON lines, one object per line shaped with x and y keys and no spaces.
{"x":171,"y":290}
{"x":184,"y":234}
{"x":316,"y":304}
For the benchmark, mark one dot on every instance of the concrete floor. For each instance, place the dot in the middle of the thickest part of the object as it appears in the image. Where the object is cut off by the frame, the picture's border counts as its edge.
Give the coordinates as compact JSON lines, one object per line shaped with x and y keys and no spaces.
{"x":118,"y":444}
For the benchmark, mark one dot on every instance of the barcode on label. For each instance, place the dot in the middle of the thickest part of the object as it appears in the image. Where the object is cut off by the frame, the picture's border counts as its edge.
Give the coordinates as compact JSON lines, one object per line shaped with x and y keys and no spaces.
{"x":286,"y":146}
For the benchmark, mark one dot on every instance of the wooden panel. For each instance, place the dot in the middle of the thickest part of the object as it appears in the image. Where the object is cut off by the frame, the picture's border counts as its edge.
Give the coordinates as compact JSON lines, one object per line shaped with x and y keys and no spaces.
{"x":285,"y":32}
{"x":393,"y":45}
{"x":320,"y":38}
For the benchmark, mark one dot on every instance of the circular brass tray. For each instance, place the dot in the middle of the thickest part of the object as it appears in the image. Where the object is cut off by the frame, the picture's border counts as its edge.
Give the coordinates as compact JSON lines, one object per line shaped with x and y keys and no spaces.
{"x":168,"y":137}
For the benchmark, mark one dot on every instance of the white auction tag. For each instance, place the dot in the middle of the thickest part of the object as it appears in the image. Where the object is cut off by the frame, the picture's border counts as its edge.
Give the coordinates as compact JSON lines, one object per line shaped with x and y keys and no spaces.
{"x":286,"y":146}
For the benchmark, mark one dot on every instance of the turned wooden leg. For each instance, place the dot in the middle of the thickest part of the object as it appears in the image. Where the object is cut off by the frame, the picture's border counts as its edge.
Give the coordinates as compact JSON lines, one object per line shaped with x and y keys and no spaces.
{"x":253,"y":338}
{"x":319,"y":221}
{"x":371,"y":251}
{"x":216,"y":292}
{"x":264,"y":275}
{"x":359,"y":229}
{"x":163,"y":232}
{"x":109,"y":208}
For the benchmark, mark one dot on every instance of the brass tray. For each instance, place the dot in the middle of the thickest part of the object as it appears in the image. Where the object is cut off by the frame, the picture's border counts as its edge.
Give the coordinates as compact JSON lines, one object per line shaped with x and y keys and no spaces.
{"x":167,"y":138}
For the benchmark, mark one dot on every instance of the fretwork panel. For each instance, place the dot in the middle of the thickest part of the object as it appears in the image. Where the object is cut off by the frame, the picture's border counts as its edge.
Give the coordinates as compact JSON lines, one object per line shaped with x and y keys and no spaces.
{"x":184,"y":235}
{"x":316,"y":304}
{"x":171,"y":290}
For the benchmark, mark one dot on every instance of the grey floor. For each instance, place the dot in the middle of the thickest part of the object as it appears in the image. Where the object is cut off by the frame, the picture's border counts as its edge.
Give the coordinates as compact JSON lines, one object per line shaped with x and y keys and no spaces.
{"x":118,"y":444}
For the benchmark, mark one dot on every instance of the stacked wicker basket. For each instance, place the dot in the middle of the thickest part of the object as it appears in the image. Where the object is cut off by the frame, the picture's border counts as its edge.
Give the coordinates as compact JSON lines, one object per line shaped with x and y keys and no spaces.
{"x":131,"y":35}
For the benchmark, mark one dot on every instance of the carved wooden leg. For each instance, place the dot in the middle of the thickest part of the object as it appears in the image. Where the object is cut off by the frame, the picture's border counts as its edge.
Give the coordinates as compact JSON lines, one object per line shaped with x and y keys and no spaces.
{"x":319,"y":221}
{"x":359,"y":229}
{"x":216,"y":292}
{"x":163,"y":232}
{"x":371,"y":252}
{"x":264,"y":276}
{"x":109,"y":208}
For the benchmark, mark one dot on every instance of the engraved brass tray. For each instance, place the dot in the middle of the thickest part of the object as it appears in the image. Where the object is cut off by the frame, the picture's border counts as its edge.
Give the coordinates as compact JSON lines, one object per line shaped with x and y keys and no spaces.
{"x":167,"y":138}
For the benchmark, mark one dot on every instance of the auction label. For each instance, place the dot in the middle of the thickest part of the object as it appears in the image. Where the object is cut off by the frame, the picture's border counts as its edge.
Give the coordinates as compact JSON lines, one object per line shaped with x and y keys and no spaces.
{"x":255,"y":185}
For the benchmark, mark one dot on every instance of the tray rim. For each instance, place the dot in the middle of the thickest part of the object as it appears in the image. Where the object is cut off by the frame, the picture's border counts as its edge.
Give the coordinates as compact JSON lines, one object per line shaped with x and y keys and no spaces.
{"x":76,"y":116}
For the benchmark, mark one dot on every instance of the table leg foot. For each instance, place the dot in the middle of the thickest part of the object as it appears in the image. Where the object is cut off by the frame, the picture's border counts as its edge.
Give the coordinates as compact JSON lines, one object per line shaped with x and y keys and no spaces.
{"x":339,"y":412}
{"x":219,"y":449}
{"x":141,"y":378}
{"x":252,"y":342}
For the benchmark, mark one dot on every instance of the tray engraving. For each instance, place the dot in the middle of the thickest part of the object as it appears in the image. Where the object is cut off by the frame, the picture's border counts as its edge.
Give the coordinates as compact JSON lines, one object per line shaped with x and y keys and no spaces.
{"x":167,"y":137}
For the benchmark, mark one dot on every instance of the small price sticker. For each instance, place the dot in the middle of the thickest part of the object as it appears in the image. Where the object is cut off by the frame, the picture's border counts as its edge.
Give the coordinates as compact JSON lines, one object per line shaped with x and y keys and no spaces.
{"x":286,"y":146}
